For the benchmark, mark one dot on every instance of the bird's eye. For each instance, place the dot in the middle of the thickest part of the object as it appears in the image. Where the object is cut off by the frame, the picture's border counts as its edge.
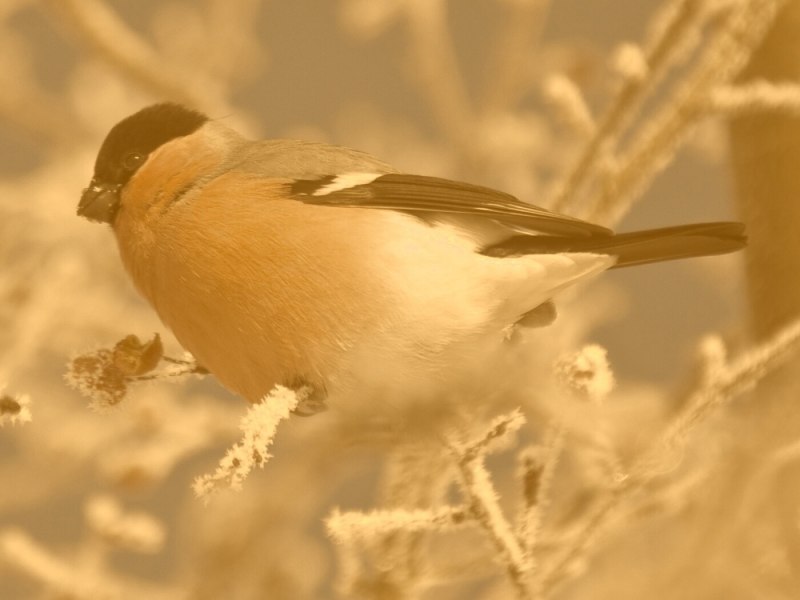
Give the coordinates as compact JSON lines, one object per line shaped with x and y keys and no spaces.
{"x":133,"y":161}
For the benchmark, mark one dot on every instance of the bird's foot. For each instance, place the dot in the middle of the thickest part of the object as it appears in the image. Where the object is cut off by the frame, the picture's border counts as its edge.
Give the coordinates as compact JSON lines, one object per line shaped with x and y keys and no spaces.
{"x":312,"y":399}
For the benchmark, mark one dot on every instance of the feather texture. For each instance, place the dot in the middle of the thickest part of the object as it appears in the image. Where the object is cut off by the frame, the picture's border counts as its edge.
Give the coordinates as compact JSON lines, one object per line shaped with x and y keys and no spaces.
{"x":635,"y":248}
{"x":422,"y":195}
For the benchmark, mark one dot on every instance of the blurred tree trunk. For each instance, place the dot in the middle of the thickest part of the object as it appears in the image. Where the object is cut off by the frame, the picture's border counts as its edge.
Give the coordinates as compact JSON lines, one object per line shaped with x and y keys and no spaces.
{"x":766,"y":163}
{"x":753,"y":515}
{"x":765,"y":153}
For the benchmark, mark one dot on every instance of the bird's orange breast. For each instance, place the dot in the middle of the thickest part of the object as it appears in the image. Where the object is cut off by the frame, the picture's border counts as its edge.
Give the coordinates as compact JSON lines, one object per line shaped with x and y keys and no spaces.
{"x":261,"y":290}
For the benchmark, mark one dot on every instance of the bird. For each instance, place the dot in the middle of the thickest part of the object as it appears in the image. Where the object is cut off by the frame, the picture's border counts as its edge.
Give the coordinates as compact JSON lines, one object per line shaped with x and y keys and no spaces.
{"x":299,"y":263}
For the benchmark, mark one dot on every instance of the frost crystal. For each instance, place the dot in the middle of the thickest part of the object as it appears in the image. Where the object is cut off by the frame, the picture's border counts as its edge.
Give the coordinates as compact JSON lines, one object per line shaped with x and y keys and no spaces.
{"x":587,"y":373}
{"x":259,"y":426}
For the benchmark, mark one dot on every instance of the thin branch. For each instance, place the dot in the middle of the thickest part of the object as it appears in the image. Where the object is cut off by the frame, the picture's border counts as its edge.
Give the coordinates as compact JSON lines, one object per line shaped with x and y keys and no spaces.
{"x":485,"y":508}
{"x":415,"y":476}
{"x":259,"y":426}
{"x":484,"y":503}
{"x":756,"y":97}
{"x":537,"y":472}
{"x":346,"y":527}
{"x":681,"y":22}
{"x":23,"y":553}
{"x":737,"y":35}
{"x":728,"y":381}
{"x":568,"y":100}
{"x":559,"y":568}
{"x":723,"y":383}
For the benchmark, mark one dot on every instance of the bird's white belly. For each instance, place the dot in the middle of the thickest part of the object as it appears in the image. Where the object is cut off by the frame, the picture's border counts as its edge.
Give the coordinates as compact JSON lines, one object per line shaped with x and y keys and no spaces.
{"x":447,"y":333}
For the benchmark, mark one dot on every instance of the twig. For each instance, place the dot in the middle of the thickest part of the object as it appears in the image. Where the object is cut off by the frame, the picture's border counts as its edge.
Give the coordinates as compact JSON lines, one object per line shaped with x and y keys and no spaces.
{"x":723,"y":383}
{"x":484,"y":505}
{"x":415,"y":477}
{"x":259,"y":426}
{"x":123,"y":529}
{"x":724,"y":56}
{"x":571,"y":105}
{"x":681,"y":21}
{"x":485,"y":508}
{"x":557,"y":570}
{"x":345,"y":527}
{"x":755,"y":97}
{"x":536,"y":471}
{"x":730,"y":380}
{"x":22,"y":552}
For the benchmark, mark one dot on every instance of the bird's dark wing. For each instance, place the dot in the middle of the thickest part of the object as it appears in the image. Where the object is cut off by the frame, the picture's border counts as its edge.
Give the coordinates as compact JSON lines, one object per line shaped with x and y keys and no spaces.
{"x":636,"y":247}
{"x":421,"y":195}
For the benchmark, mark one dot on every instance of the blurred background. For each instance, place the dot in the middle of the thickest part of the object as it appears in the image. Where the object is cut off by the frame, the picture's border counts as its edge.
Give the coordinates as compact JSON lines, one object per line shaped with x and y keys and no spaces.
{"x":454,"y":89}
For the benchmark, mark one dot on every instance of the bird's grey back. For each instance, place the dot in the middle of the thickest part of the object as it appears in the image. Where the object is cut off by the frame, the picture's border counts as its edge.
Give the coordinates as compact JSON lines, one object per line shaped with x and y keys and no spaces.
{"x":298,"y":159}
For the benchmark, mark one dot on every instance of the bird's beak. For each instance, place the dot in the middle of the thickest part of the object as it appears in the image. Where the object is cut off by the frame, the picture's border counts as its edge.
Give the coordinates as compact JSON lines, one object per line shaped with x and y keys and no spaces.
{"x":100,"y":202}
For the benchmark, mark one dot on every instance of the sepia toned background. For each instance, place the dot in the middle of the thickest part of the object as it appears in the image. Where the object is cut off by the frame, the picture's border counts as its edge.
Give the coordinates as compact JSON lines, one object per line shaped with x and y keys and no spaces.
{"x":678,"y":483}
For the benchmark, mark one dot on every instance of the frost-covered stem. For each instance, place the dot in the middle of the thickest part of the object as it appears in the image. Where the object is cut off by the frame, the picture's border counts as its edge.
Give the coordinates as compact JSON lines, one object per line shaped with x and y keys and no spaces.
{"x":735,"y":38}
{"x":484,"y":505}
{"x":757,"y":97}
{"x":514,"y":53}
{"x":350,"y":529}
{"x":570,"y":104}
{"x":416,"y":477}
{"x":485,"y":509}
{"x":23,"y":553}
{"x":558,"y":569}
{"x":722,"y":383}
{"x":537,"y":470}
{"x":652,"y":152}
{"x":259,"y":426}
{"x":111,"y":39}
{"x":346,"y":527}
{"x":437,"y":67}
{"x":681,"y":20}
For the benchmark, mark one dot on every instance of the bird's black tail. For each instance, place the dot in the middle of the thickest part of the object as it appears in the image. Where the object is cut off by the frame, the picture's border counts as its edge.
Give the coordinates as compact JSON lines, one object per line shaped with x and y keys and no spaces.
{"x":635,"y":248}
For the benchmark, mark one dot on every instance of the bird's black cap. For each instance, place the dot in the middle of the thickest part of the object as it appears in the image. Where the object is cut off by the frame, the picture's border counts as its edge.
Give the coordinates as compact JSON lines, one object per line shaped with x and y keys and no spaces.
{"x":139,"y":135}
{"x":127,"y":147}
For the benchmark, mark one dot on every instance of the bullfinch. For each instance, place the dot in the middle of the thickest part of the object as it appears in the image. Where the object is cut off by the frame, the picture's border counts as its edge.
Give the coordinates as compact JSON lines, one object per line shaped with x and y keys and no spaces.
{"x":301,"y":263}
